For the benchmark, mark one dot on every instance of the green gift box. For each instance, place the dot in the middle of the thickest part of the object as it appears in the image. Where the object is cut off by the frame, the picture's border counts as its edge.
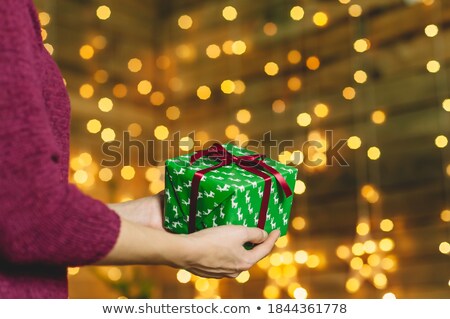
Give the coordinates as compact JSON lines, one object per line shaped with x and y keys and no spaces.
{"x":232,"y":194}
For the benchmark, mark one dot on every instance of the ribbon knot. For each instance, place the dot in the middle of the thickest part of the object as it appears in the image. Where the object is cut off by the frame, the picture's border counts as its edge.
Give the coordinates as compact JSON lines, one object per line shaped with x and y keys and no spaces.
{"x":251,"y":163}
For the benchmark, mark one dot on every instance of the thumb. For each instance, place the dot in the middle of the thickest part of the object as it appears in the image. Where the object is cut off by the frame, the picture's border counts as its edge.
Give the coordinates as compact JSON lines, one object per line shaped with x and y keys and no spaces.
{"x":256,"y":235}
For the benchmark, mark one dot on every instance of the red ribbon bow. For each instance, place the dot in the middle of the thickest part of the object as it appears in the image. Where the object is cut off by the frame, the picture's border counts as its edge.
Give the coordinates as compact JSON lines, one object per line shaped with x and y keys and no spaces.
{"x":252,"y":163}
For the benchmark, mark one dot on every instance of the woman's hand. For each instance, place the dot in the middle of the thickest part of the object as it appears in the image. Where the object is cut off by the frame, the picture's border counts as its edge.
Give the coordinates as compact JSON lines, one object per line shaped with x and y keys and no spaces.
{"x":218,"y":252}
{"x":146,"y":211}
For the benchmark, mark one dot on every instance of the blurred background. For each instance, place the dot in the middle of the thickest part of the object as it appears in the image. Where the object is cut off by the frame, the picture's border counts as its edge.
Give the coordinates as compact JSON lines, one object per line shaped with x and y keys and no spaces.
{"x":374,"y":72}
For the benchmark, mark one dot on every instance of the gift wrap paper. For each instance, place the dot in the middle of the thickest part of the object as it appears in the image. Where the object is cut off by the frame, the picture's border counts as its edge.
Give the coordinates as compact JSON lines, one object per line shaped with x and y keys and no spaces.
{"x":229,"y":195}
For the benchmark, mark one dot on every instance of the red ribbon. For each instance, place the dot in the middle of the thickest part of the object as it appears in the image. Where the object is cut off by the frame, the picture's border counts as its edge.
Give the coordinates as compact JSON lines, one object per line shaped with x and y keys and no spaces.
{"x":252,"y":163}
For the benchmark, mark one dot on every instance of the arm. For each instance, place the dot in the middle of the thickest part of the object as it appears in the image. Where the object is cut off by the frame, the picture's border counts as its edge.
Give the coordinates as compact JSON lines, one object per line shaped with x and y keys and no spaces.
{"x":43,"y":219}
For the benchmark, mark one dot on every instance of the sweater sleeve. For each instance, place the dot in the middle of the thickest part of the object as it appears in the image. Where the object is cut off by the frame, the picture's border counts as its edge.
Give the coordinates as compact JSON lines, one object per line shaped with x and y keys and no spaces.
{"x":43,"y":219}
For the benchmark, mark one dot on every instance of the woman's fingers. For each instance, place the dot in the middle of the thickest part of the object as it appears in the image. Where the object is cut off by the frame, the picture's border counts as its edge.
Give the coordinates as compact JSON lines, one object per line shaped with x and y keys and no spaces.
{"x":263,"y":249}
{"x":255,"y":235}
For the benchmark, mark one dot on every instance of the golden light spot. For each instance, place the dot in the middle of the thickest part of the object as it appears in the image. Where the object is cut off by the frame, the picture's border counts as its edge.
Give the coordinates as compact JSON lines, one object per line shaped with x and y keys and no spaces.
{"x":343,"y":252}
{"x":243,"y":116}
{"x":386,"y":225}
{"x":275,"y":259}
{"x":294,"y":57}
{"x":161,"y":132}
{"x":103,"y":12}
{"x":271,"y":292}
{"x":105,"y":104}
{"x":241,"y":139}
{"x":284,"y":157}
{"x":239,"y":47}
{"x":380,"y":281}
{"x":213,"y":51}
{"x":127,"y":172}
{"x":374,"y":153}
{"x":163,"y":62}
{"x":352,"y":285}
{"x":388,"y":263}
{"x":175,"y":84}
{"x":370,"y":193}
{"x":271,"y":68}
{"x":186,"y":143}
{"x":105,"y":174}
{"x":134,"y":129}
{"x":362,"y":229}
{"x":297,"y":157}
{"x":44,"y":18}
{"x":232,"y":131}
{"x":386,"y":244}
{"x":294,"y":83}
{"x":80,"y":177}
{"x":291,"y":288}
{"x":428,"y":2}
{"x":274,"y":272}
{"x":361,"y":45}
{"x":87,"y":52}
{"x":345,"y":1}
{"x":278,"y":106}
{"x":134,"y":65}
{"x":300,"y":293}
{"x":313,"y":63}
{"x":320,"y":19}
{"x":99,"y":42}
{"x":358,"y":249}
{"x":349,"y":93}
{"x":204,"y":92}
{"x":144,"y":87}
{"x":44,"y":34}
{"x":444,"y":248}
{"x":373,"y":260}
{"x":355,"y":10}
{"x":152,"y":174}
{"x":301,"y":257}
{"x":229,"y":13}
{"x":354,"y":142}
{"x":239,"y":87}
{"x":85,"y":159}
{"x":94,"y":126}
{"x":183,"y":276}
{"x":297,"y":13}
{"x":370,"y":246}
{"x":304,"y":119}
{"x":243,"y":277}
{"x":73,"y":271}
{"x":49,"y":48}
{"x":156,"y":187}
{"x":321,"y":110}
{"x":227,"y":86}
{"x":157,"y":98}
{"x":270,"y":29}
{"x":360,"y":76}
{"x":185,"y":22}
{"x":313,"y":261}
{"x":445,"y":215}
{"x":433,"y":66}
{"x":378,"y":117}
{"x":356,"y":263}
{"x":300,"y":187}
{"x":227,"y":47}
{"x":120,"y":90}
{"x":446,"y":105}
{"x":298,"y":223}
{"x":86,"y":91}
{"x":185,"y":51}
{"x":441,"y":141}
{"x":389,"y":295}
{"x":365,"y":271}
{"x":108,"y":135}
{"x":101,"y":76}
{"x":173,"y":113}
{"x":431,"y":30}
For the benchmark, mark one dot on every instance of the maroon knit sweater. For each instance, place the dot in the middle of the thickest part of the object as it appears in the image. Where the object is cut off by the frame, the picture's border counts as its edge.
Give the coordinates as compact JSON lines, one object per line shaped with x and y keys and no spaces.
{"x":46,"y":224}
